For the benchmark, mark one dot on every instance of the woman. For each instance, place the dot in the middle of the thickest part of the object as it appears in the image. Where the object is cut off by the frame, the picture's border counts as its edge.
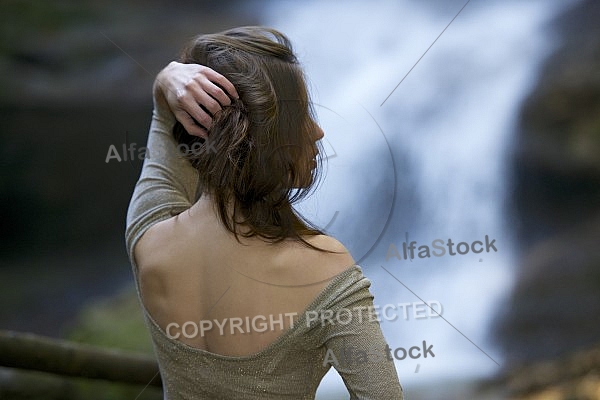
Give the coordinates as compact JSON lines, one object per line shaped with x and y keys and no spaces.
{"x":238,"y":290}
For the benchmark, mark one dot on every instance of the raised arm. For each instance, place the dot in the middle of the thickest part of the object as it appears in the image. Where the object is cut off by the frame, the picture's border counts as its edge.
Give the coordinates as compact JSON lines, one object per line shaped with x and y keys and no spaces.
{"x":168,"y":182}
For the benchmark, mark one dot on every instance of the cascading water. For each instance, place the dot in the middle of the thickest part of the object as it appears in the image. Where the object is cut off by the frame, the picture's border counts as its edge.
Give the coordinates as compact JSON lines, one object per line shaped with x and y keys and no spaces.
{"x":429,"y":163}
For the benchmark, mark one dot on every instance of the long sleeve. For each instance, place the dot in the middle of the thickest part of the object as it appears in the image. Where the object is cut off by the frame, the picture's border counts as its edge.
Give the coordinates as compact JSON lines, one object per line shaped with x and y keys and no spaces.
{"x":167,"y":184}
{"x":354,"y":343}
{"x":363,"y":358}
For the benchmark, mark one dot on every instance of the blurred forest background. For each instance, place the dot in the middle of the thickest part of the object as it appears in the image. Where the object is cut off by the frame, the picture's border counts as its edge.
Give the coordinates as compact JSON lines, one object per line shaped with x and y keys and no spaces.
{"x":76,"y":77}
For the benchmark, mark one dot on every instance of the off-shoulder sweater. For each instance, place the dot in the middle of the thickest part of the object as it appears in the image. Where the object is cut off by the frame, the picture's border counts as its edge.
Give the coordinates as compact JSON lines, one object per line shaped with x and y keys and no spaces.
{"x":294,"y":364}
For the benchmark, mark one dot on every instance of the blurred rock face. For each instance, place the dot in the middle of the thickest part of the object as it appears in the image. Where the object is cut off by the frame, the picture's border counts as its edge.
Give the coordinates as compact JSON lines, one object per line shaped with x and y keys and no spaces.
{"x":554,"y":309}
{"x":75,"y":79}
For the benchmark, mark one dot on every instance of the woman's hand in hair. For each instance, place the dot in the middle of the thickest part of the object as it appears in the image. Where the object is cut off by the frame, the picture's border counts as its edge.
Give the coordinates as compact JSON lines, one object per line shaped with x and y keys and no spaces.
{"x":194,"y":93}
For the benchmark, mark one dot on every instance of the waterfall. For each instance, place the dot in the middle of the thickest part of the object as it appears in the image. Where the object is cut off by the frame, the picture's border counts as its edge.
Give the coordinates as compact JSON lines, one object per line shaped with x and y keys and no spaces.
{"x":430,"y":163}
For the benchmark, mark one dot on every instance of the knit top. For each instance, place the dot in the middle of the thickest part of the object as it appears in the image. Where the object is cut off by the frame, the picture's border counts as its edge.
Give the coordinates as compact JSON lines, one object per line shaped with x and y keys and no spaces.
{"x":293,"y":365}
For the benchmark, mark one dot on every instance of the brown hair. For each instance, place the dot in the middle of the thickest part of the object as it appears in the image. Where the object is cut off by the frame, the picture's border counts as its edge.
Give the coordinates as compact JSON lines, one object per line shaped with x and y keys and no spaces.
{"x":260,"y":148}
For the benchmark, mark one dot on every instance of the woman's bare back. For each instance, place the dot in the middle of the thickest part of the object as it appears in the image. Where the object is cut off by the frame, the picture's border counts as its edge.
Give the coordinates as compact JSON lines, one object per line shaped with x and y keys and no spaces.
{"x":193,"y":272}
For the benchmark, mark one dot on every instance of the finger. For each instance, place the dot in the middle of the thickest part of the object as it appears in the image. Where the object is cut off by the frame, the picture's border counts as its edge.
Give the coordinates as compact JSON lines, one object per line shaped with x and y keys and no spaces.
{"x":223,"y":82}
{"x":190,"y":125}
{"x":199,"y":115}
{"x":215,"y":92}
{"x":190,"y":106}
{"x":201,"y":97}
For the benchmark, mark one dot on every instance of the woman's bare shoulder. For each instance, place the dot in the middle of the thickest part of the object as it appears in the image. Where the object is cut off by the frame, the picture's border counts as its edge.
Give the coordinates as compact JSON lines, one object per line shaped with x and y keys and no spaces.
{"x":327,"y":243}
{"x":154,"y":245}
{"x":337,"y":258}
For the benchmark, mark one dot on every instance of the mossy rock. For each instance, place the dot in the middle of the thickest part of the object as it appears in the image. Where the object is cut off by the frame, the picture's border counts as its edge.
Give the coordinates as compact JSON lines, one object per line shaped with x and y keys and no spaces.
{"x":115,"y":322}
